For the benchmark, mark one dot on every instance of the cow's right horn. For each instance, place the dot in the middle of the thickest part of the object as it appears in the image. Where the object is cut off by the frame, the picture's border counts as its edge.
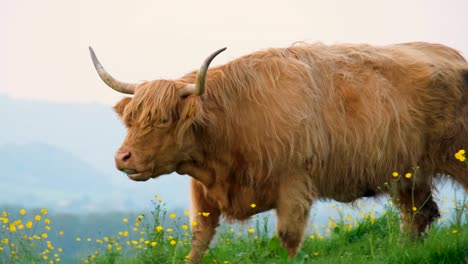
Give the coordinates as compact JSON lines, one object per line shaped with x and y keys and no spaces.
{"x":127,"y":88}
{"x":199,"y":87}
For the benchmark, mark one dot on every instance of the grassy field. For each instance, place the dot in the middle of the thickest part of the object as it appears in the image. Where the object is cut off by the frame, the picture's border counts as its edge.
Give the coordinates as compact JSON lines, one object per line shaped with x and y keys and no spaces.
{"x":163,"y":237}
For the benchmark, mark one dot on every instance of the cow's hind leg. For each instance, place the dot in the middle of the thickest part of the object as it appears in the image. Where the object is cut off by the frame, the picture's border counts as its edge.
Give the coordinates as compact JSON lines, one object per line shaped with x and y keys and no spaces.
{"x":418,"y":209}
{"x":293,"y":209}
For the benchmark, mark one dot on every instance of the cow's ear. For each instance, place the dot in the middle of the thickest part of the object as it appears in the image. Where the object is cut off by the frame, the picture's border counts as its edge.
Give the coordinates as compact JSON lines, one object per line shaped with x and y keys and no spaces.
{"x":120,"y":106}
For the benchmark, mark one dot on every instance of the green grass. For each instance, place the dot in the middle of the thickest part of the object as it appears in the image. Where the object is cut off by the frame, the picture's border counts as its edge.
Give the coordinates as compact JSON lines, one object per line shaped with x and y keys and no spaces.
{"x":377,"y":242}
{"x":147,"y":239}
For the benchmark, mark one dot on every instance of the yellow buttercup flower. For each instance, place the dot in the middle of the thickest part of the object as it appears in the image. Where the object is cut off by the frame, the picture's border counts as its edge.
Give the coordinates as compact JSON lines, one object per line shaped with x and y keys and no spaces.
{"x":395,"y":174}
{"x":205,"y":214}
{"x":408,"y":175}
{"x":22,"y":211}
{"x":460,"y":155}
{"x":251,"y":230}
{"x":253,"y":205}
{"x":173,"y":242}
{"x":172,"y":216}
{"x":44,"y":211}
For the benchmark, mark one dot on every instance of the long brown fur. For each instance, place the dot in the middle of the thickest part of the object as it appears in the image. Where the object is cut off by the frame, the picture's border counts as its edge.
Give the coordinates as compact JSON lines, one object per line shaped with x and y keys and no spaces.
{"x":283,"y":127}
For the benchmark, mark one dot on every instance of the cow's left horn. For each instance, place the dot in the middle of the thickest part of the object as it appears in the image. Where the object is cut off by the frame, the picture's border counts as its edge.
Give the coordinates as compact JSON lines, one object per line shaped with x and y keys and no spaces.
{"x":199,"y":87}
{"x":123,"y":87}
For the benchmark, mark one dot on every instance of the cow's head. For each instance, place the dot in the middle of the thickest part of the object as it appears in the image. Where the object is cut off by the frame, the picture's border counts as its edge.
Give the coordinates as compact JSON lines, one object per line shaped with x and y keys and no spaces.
{"x":157,"y":118}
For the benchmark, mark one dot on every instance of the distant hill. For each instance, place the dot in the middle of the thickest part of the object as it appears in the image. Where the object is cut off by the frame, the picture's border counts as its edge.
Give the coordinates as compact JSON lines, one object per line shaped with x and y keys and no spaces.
{"x":61,"y":156}
{"x":90,"y":131}
{"x":47,"y":167}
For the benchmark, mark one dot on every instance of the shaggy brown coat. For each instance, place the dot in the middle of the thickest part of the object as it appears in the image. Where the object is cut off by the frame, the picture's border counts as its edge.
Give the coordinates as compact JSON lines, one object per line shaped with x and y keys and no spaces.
{"x":282,"y":128}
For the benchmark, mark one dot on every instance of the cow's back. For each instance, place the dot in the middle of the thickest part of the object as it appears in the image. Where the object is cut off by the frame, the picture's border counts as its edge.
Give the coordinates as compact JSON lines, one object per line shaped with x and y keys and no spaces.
{"x":351,"y":114}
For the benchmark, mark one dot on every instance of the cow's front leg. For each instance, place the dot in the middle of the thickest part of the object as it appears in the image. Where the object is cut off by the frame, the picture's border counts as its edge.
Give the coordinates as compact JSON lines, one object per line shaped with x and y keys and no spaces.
{"x":204,"y":218}
{"x":293,"y":208}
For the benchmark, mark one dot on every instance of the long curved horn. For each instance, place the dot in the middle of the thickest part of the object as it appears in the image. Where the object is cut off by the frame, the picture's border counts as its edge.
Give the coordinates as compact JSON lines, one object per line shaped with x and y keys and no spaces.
{"x":126,"y":88}
{"x":199,"y":87}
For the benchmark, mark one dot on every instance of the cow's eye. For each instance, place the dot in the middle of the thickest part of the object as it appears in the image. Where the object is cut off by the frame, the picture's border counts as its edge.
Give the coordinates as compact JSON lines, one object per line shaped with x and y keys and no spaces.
{"x":164,"y":122}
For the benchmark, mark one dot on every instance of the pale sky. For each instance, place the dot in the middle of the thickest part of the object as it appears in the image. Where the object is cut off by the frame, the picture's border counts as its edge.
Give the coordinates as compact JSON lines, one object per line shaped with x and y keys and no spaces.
{"x":44,"y":44}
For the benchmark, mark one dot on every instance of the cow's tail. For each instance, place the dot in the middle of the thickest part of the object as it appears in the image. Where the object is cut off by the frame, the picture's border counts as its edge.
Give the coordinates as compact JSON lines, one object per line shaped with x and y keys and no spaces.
{"x":462,"y":173}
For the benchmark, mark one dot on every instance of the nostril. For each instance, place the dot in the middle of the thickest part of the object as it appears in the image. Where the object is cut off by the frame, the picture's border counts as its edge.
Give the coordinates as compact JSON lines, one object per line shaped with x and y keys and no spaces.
{"x":122,"y":157}
{"x":126,"y":156}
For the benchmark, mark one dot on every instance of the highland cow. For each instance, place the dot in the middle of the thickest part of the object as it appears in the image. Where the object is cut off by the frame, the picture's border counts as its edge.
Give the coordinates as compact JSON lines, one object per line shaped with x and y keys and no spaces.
{"x":284,"y":127}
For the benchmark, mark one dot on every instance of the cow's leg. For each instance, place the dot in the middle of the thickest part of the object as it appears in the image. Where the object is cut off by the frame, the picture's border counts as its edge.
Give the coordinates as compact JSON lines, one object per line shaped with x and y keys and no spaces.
{"x":293,"y":208}
{"x":418,"y":209}
{"x":204,"y":218}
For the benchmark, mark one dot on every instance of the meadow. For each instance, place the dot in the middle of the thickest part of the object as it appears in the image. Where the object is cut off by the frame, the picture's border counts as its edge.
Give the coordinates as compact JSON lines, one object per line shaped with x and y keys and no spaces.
{"x":367,"y":235}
